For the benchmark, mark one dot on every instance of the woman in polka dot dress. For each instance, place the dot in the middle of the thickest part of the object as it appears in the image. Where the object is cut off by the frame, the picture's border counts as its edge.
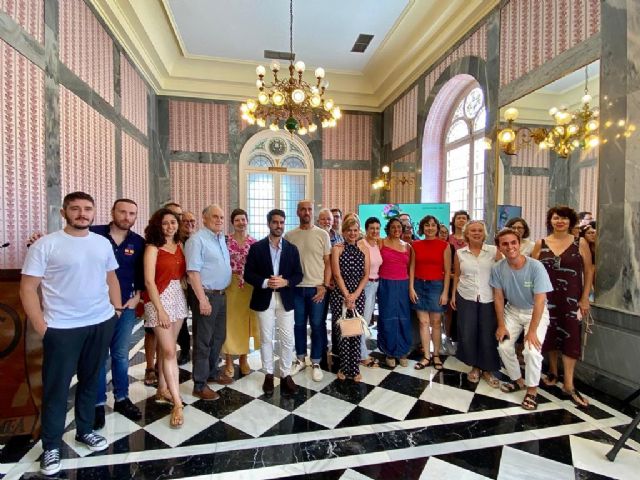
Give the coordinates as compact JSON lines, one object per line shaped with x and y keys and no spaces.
{"x":350,"y":266}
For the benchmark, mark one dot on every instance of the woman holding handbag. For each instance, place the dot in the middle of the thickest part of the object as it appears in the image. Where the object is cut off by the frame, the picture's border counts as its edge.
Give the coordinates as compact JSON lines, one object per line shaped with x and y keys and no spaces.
{"x":350,"y":266}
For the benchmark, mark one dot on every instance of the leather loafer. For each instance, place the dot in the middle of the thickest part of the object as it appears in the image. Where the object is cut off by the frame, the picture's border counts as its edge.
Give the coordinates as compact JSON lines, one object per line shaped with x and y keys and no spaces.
{"x":206,"y":394}
{"x":267,"y":386}
{"x":221,"y":379}
{"x":288,"y":386}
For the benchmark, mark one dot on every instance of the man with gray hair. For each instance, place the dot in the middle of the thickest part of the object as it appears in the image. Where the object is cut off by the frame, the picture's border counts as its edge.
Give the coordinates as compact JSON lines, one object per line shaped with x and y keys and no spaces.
{"x":209,"y":274}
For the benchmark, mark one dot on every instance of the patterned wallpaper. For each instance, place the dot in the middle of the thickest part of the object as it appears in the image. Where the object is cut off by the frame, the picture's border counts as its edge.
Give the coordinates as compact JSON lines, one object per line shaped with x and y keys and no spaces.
{"x":198,"y":127}
{"x":29,"y":14}
{"x":133,"y":95}
{"x":589,"y":183}
{"x":345,"y":189}
{"x":135,"y":178}
{"x":23,"y":199}
{"x":349,"y":140}
{"x":405,"y":119}
{"x":403,"y":193}
{"x":533,"y":32}
{"x":531,"y":156}
{"x":87,"y":153}
{"x":196,"y":185}
{"x":85,"y":47}
{"x":532,"y":194}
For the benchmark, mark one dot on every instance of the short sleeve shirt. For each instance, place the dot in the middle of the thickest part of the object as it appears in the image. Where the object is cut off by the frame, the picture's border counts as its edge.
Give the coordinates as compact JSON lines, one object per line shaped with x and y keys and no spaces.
{"x":74,"y":278}
{"x":519,"y":286}
{"x":207,"y":253}
{"x":313,"y":245}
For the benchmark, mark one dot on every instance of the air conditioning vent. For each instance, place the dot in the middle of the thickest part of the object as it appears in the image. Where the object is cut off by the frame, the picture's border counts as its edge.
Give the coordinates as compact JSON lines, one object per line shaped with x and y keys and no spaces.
{"x":275,"y":55}
{"x":361,"y":43}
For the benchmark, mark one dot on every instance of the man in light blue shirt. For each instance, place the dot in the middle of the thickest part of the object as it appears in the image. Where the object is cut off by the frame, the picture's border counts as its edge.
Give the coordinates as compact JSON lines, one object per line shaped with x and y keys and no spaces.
{"x":524,"y":283}
{"x":209,"y":273}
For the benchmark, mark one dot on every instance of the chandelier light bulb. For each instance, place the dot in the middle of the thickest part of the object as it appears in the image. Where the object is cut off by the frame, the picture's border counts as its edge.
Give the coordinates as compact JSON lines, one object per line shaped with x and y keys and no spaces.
{"x":319,"y":73}
{"x":575,"y":144}
{"x":275,"y":66}
{"x":302,"y":131}
{"x":385,"y":169}
{"x":328,"y":105}
{"x":592,"y":125}
{"x":559,"y":130}
{"x":315,"y":100}
{"x":274,"y":127}
{"x":572,"y":129}
{"x":252,"y":105}
{"x":586,"y":98}
{"x":332,"y":122}
{"x":278,"y":98}
{"x":506,"y":135}
{"x":543,"y":145}
{"x":263,"y":98}
{"x":261,"y":122}
{"x":260,"y":70}
{"x":553,"y":111}
{"x":259,"y":83}
{"x":251,"y":120}
{"x":336,"y":113}
{"x":511,"y":114}
{"x":592,"y":141}
{"x":621,"y":123}
{"x":300,"y":66}
{"x":312,"y":127}
{"x":315,"y":89}
{"x":325,"y":85}
{"x":325,"y":123}
{"x":244,"y":108}
{"x":297,"y":96}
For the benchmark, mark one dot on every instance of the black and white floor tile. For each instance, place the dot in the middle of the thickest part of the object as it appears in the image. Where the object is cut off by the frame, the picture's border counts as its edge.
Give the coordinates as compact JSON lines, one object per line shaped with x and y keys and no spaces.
{"x":397,"y":423}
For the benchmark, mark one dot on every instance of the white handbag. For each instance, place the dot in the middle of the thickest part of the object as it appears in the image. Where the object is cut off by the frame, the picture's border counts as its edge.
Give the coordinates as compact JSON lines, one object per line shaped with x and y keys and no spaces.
{"x":354,"y":326}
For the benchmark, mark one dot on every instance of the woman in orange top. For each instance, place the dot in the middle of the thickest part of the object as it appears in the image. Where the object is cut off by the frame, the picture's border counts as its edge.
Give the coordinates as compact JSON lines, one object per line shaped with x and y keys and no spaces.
{"x":429,"y":286}
{"x":165,"y":305}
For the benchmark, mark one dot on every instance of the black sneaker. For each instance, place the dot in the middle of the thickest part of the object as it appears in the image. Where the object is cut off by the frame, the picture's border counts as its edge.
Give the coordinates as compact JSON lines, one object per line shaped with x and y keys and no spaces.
{"x":50,"y":462}
{"x":93,"y":441}
{"x":128,"y":409}
{"x":98,"y":421}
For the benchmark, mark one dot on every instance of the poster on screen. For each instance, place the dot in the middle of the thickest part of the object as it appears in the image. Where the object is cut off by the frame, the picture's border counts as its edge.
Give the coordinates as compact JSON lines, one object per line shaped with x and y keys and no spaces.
{"x":506,"y":213}
{"x":417,"y":211}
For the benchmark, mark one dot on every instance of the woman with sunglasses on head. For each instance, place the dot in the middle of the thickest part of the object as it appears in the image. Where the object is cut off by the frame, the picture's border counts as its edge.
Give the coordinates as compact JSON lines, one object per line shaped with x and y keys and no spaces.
{"x":567,"y":260}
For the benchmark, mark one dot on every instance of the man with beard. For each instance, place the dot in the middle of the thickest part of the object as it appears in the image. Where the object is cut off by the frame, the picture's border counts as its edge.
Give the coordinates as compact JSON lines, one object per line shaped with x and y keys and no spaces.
{"x":314,"y":247}
{"x":273,"y":269}
{"x":76,"y":269}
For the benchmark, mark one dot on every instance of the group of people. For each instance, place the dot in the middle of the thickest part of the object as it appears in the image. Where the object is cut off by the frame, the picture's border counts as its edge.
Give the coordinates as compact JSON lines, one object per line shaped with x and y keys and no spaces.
{"x":238,"y":289}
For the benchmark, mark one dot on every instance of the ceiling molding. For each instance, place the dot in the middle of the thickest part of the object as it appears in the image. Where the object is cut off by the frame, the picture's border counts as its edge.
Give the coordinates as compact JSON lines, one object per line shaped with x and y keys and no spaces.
{"x":422,"y":34}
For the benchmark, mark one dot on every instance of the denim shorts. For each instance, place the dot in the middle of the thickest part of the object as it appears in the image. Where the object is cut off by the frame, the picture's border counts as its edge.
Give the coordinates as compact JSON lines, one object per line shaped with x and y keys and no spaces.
{"x":428,"y":292}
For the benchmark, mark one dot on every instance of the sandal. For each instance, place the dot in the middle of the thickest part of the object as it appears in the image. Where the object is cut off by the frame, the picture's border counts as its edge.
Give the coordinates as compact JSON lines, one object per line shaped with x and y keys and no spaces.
{"x":404,"y":362}
{"x":341,"y":376}
{"x":577,"y":399}
{"x":529,"y":403}
{"x":510,"y":387}
{"x":370,"y":362}
{"x":437,"y":365}
{"x":550,"y":379}
{"x":164,"y":397}
{"x":473,"y":377}
{"x":390,"y":361}
{"x":421,"y":365}
{"x":229,"y":370}
{"x":490,"y":379}
{"x":177,"y":417}
{"x":150,"y":377}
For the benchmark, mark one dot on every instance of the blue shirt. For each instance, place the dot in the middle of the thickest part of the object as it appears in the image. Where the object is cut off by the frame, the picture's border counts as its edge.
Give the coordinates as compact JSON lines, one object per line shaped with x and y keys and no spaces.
{"x":519,"y":286}
{"x":207,"y":253}
{"x":129,"y":255}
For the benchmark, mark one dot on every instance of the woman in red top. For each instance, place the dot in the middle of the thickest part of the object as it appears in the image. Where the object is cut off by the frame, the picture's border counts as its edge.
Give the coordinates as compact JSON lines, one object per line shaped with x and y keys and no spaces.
{"x":165,"y":305}
{"x":429,"y":282}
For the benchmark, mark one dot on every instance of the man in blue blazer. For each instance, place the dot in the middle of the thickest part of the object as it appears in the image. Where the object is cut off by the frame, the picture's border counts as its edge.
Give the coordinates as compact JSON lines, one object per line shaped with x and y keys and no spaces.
{"x":273,"y":268}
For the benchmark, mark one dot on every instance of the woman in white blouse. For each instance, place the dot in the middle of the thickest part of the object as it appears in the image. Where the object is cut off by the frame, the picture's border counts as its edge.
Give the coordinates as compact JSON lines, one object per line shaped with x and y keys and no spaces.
{"x":473,"y":300}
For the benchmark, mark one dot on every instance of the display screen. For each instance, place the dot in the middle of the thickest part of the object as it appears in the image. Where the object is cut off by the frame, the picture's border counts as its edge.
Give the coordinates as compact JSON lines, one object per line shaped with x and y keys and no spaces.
{"x":506,"y":213}
{"x":417,"y":211}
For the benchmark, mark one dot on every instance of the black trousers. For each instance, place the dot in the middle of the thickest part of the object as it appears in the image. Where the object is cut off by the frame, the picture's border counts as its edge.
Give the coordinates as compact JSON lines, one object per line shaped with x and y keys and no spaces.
{"x":184,"y":340}
{"x":67,"y":351}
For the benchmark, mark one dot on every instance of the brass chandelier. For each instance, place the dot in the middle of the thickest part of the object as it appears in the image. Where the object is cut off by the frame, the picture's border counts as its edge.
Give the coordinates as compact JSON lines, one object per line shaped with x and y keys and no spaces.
{"x":291,"y":101}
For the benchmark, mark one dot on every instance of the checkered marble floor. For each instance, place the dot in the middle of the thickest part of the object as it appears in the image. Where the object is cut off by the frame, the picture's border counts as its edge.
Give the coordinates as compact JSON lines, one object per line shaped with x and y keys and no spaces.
{"x":396,"y":423}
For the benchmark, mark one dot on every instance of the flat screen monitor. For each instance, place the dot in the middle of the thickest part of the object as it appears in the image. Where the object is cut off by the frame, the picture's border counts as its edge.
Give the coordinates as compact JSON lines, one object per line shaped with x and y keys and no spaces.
{"x":417,"y":211}
{"x":506,"y":213}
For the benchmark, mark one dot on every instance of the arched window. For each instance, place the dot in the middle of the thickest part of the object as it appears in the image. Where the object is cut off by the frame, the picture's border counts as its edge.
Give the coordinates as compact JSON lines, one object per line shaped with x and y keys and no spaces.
{"x":275,"y":172}
{"x":464,"y":154}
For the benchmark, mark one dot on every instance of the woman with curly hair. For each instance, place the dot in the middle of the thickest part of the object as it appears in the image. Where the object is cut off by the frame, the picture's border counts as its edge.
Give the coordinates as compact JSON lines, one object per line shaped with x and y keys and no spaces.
{"x":165,"y":305}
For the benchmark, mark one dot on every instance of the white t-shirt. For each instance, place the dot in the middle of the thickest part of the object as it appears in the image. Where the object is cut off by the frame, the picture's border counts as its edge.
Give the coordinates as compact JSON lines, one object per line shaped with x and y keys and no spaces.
{"x":313,"y":245}
{"x":74,"y":278}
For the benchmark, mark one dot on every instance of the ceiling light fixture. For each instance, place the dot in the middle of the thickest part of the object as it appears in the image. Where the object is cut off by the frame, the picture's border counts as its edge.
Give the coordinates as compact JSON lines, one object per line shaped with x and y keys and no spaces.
{"x":291,"y":101}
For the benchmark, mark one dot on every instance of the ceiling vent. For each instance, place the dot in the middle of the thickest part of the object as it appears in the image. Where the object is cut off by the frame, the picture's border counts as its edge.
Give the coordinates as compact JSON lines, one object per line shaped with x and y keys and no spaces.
{"x":275,"y":55}
{"x":362,"y":42}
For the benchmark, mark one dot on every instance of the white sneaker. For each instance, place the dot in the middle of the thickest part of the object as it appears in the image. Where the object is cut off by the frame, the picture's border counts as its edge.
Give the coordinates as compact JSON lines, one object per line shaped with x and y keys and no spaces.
{"x":316,"y":373}
{"x":297,"y":366}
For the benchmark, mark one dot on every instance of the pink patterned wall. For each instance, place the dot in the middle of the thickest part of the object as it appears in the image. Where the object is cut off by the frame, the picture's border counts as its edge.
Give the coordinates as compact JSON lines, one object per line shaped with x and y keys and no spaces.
{"x":23,"y":198}
{"x":135,"y":178}
{"x":531,"y":156}
{"x":85,"y":47}
{"x":475,"y":45}
{"x":345,"y":189}
{"x":532,"y":194}
{"x":198,"y":127}
{"x":403,"y":193}
{"x":532,"y":32}
{"x":29,"y":14}
{"x":87,"y":153}
{"x":349,"y":140}
{"x":405,"y":119}
{"x":196,"y":185}
{"x":589,"y":182}
{"x":133,"y":93}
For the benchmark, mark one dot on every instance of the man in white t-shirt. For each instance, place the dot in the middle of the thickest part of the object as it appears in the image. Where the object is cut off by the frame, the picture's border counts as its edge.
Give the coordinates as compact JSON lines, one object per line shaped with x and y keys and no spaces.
{"x":309,"y":296}
{"x":75,"y":269}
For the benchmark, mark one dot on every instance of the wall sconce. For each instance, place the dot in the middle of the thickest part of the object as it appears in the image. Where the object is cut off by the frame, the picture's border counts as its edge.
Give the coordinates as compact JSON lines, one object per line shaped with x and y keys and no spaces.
{"x":384,"y":180}
{"x":510,"y":137}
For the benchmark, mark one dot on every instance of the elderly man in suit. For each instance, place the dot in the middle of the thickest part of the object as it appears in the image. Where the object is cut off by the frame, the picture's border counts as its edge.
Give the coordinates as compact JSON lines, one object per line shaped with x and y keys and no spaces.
{"x":273,"y":268}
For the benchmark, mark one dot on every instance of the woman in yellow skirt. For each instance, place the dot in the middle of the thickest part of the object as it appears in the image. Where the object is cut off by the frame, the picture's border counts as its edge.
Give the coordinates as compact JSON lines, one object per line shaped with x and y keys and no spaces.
{"x":242,"y":324}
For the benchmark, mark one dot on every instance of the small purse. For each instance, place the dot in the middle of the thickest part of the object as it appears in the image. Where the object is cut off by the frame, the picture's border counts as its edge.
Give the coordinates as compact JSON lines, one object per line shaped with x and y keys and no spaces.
{"x":354,"y":326}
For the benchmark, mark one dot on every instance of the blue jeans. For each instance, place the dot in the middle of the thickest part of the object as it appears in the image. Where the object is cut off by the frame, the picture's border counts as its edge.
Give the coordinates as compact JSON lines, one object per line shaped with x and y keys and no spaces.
{"x":305,"y":308}
{"x":119,"y":352}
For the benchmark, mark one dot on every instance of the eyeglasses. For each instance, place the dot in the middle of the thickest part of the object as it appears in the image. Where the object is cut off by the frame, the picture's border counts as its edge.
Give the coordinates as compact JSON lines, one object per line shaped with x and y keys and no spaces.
{"x":518,"y":228}
{"x":190,"y":222}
